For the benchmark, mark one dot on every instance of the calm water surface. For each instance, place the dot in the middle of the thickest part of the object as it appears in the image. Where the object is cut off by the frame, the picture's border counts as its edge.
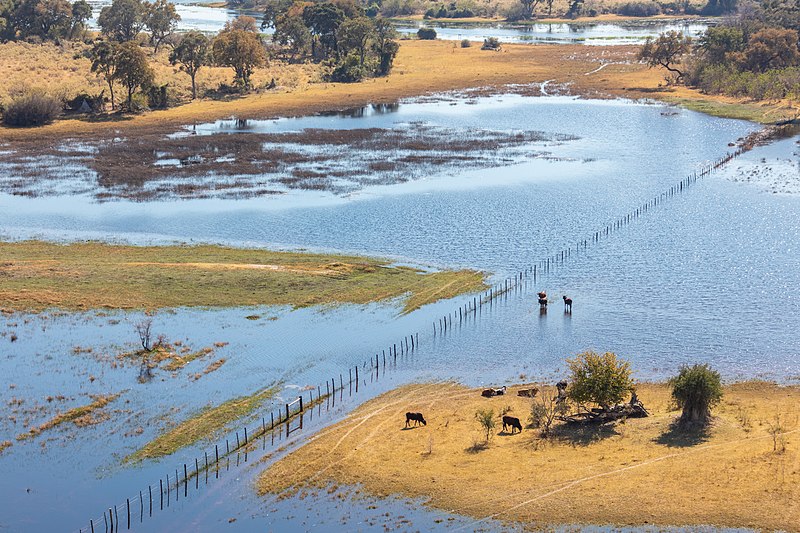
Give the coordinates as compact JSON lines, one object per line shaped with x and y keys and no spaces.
{"x":710,"y":276}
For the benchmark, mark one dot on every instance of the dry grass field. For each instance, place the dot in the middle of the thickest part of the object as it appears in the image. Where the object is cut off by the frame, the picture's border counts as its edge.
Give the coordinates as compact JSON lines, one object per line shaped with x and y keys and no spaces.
{"x":641,"y":472}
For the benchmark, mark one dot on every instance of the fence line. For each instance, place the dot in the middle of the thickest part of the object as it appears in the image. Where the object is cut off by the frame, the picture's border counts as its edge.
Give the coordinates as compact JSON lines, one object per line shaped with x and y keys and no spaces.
{"x":297,"y":408}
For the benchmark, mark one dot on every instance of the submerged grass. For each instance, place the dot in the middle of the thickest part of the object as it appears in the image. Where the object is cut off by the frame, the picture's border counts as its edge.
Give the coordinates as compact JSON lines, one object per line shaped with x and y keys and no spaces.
{"x":204,"y":425}
{"x":81,"y":416}
{"x":36,"y":275}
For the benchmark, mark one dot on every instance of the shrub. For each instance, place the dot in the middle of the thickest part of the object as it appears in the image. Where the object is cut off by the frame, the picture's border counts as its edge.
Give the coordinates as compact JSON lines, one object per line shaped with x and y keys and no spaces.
{"x":485,"y":418}
{"x":32,"y":109}
{"x":638,"y":8}
{"x":349,"y":70}
{"x":491,"y":43}
{"x":545,"y":408}
{"x":600,"y":379}
{"x":426,"y":34}
{"x":465,"y":43}
{"x":696,"y":389}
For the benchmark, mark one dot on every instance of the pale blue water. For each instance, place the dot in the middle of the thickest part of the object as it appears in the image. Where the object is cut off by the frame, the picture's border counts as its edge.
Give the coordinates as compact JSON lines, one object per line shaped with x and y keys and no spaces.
{"x":710,"y":276}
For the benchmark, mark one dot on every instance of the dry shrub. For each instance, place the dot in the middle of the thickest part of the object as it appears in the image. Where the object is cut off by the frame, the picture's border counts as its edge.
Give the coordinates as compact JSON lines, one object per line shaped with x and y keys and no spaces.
{"x":32,"y":109}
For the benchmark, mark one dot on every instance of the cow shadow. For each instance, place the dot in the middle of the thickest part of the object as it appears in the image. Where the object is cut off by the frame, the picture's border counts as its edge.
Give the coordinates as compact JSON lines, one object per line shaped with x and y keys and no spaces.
{"x":582,"y":434}
{"x":677,"y":436}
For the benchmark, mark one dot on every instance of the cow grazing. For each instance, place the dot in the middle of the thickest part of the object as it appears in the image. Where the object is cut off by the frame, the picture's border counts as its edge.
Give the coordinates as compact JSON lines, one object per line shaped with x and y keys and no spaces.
{"x":528,"y":393}
{"x":488,"y":393}
{"x":417,"y":418}
{"x":513,"y":423}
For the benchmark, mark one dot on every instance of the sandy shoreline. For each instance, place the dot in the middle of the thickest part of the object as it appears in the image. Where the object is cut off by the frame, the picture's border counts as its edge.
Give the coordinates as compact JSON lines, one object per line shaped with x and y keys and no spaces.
{"x":640,"y":473}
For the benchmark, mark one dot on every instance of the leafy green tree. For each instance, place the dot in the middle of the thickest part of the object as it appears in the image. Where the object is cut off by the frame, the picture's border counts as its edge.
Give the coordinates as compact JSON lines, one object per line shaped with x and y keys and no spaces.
{"x":696,"y":389}
{"x":719,"y":42}
{"x":273,"y":10}
{"x":122,"y":20}
{"x":132,"y":70}
{"x":290,"y":31}
{"x":81,"y":13}
{"x":192,"y":53}
{"x":354,"y":35}
{"x":104,"y":64}
{"x":599,"y":379}
{"x":666,"y":51}
{"x":385,"y":45}
{"x":47,"y":19}
{"x":241,"y":50}
{"x":323,"y":20}
{"x":160,"y":19}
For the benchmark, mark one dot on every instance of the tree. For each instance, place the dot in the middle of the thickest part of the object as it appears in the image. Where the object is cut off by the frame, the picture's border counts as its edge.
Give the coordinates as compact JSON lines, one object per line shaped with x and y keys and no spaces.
{"x":103,"y":55}
{"x":696,"y":389}
{"x":719,"y":42}
{"x":145,"y":331}
{"x":771,"y":48}
{"x":122,"y":20}
{"x":81,"y":12}
{"x":243,"y":23}
{"x":192,"y":53}
{"x":161,"y":19}
{"x":273,"y":10}
{"x":599,"y":379}
{"x":485,"y":418}
{"x":292,"y":32}
{"x":354,"y":35}
{"x":665,"y":51}
{"x":545,"y":408}
{"x":323,"y":20}
{"x":385,"y":45}
{"x":241,"y":50}
{"x":529,"y":6}
{"x":131,"y":68}
{"x":48,"y":19}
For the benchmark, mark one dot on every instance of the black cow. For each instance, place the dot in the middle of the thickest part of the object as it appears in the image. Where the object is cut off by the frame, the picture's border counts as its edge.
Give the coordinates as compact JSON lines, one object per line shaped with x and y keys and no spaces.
{"x":512,"y":422}
{"x":416,"y":417}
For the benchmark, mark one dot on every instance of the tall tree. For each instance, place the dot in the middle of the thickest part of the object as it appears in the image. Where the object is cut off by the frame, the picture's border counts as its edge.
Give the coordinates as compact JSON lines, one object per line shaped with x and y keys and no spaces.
{"x":192,"y":53}
{"x":385,"y":45}
{"x":81,"y":12}
{"x":104,"y":64}
{"x":323,"y":20}
{"x":131,"y":68}
{"x":122,"y":20}
{"x":354,"y":36}
{"x":241,"y":50}
{"x":48,"y":19}
{"x":292,"y":32}
{"x":529,"y":7}
{"x":771,"y":48}
{"x":160,"y":19}
{"x":666,"y":51}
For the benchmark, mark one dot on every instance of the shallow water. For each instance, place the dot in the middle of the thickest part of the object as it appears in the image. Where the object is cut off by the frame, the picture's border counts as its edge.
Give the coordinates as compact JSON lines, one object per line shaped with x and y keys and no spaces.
{"x":599,"y":34}
{"x":696,"y":279}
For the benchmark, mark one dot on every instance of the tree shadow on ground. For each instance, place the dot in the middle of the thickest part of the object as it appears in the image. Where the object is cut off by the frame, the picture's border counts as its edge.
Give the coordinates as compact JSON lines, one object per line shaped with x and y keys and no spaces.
{"x":677,"y":436}
{"x":582,"y":434}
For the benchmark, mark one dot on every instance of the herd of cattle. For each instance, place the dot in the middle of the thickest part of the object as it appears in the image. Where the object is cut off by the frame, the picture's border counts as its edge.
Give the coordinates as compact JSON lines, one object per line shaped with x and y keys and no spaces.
{"x":508,"y":421}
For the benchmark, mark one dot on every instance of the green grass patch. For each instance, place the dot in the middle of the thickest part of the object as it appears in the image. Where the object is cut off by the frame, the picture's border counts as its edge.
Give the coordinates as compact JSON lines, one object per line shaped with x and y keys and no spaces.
{"x":35,"y":276}
{"x":204,"y":425}
{"x":81,"y":416}
{"x":752,"y":112}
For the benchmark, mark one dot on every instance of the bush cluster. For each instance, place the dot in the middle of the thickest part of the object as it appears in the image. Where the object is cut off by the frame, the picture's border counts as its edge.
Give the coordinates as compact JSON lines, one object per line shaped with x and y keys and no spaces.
{"x":32,"y":109}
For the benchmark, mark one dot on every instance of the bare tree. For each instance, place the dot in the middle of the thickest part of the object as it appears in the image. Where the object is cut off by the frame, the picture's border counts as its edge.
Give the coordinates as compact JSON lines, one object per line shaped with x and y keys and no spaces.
{"x":144,"y":330}
{"x":546,"y":407}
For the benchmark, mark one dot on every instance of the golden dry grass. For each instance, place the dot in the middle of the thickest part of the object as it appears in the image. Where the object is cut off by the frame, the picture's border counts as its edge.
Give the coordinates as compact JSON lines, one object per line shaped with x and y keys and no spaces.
{"x":637,"y":473}
{"x":80,"y":416}
{"x":36,"y":275}
{"x":422,"y":68}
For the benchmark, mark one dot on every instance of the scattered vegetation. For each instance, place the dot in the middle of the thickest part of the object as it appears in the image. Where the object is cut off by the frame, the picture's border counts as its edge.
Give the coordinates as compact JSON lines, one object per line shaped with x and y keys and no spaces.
{"x":81,"y":416}
{"x":32,"y":109}
{"x":546,"y":408}
{"x":485,"y":418}
{"x":39,"y":275}
{"x":204,"y":425}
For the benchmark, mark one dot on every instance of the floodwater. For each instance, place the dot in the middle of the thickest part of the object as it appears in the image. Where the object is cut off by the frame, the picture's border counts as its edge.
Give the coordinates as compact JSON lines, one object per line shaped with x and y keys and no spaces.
{"x":599,"y":34}
{"x":708,"y":276}
{"x":198,"y":15}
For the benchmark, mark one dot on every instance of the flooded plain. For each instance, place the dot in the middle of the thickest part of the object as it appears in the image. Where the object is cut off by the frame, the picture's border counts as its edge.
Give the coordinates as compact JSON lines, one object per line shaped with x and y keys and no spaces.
{"x":709,"y":276}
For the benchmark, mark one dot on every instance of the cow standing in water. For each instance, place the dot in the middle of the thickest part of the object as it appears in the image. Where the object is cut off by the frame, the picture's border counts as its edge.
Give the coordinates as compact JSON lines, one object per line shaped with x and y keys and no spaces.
{"x":542,"y":301}
{"x":512,"y":422}
{"x":567,"y":304}
{"x":417,"y":418}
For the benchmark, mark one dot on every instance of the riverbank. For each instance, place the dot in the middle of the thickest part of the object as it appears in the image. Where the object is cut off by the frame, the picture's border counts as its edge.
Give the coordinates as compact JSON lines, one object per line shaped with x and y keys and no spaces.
{"x":425,"y":68}
{"x":638,"y":473}
{"x":35,"y":276}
